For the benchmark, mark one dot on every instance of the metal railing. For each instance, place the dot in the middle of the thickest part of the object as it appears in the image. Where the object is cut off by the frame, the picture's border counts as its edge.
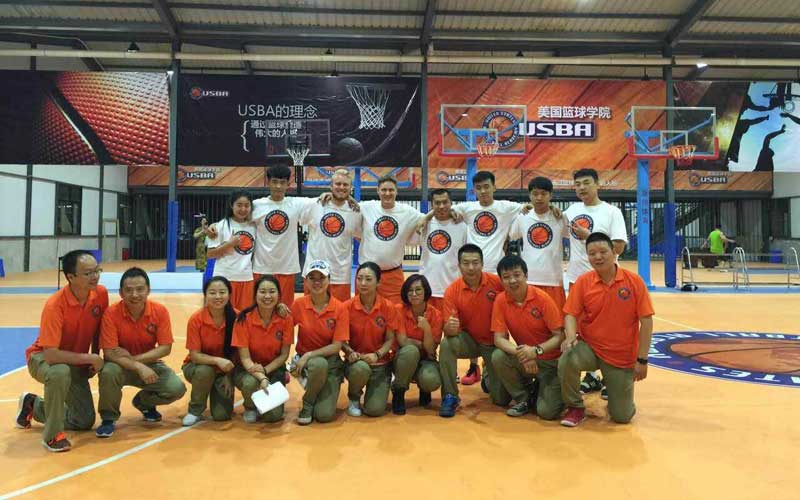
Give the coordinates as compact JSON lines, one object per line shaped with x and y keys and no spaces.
{"x":743,"y":267}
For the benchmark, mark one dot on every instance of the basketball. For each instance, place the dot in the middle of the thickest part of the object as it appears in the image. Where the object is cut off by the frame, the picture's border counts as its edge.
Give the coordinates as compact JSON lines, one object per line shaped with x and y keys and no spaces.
{"x":348,"y":150}
{"x":755,"y":355}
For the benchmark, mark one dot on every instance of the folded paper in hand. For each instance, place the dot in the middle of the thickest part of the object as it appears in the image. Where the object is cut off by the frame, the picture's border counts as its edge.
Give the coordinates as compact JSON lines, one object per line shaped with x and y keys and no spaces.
{"x":275,"y":396}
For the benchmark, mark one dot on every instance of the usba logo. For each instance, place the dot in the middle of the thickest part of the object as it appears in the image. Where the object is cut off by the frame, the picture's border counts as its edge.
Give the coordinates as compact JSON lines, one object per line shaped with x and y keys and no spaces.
{"x":558,"y":130}
{"x":198,"y":93}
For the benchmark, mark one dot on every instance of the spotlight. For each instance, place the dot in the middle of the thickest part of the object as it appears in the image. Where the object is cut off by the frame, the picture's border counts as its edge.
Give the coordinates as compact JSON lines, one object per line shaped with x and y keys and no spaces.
{"x":132,"y":48}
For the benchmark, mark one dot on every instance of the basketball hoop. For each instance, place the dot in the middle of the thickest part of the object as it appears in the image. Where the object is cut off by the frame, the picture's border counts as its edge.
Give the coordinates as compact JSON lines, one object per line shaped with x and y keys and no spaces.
{"x":371,"y":99}
{"x":683,"y":155}
{"x":298,"y":148}
{"x":488,"y":148}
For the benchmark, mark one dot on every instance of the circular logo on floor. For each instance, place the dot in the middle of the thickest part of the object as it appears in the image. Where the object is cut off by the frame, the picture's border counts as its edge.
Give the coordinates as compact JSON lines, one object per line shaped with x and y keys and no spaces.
{"x":761,"y":358}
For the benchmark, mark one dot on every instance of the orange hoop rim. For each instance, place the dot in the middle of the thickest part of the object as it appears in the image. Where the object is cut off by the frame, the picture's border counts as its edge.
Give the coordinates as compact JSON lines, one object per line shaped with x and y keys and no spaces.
{"x":487,"y":149}
{"x":682,"y":154}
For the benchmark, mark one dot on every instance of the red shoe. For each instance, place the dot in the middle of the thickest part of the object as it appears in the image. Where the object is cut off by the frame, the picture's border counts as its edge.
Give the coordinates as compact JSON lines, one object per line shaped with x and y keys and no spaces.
{"x":58,"y":443}
{"x":573,"y":417}
{"x":473,"y":375}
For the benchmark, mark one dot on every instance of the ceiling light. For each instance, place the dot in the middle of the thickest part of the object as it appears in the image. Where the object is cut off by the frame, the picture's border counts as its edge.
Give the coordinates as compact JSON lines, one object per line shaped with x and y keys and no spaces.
{"x":329,"y":52}
{"x":520,"y":54}
{"x":133,"y":47}
{"x":701,"y":64}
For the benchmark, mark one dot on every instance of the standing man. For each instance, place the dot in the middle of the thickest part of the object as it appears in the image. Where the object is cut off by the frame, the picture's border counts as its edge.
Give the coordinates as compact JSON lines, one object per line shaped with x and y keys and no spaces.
{"x":467,"y":327}
{"x":60,"y":357}
{"x":387,"y":228}
{"x":441,"y":240}
{"x":331,"y":229}
{"x":611,"y":308}
{"x":136,"y":335}
{"x":536,"y":325}
{"x":542,"y":248}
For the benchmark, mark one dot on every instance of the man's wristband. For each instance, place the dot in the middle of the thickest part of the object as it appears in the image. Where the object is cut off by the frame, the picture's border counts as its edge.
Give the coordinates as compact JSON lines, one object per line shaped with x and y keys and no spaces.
{"x":641,"y":361}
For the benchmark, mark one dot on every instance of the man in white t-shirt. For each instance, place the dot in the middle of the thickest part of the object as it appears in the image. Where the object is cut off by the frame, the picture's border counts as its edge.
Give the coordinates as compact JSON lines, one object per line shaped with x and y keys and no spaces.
{"x":331,"y":229}
{"x":386,"y":229}
{"x":440,"y":242}
{"x":542,"y":248}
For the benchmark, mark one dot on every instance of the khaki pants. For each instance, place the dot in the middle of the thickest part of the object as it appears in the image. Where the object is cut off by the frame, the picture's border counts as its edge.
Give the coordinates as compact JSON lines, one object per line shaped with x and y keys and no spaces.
{"x":463,"y":346}
{"x":519,"y":383}
{"x":113,"y":378}
{"x":248,"y":385}
{"x":67,"y":402}
{"x":376,"y":379}
{"x":208,"y":384}
{"x":618,"y":381}
{"x":408,"y":367}
{"x":324,"y":379}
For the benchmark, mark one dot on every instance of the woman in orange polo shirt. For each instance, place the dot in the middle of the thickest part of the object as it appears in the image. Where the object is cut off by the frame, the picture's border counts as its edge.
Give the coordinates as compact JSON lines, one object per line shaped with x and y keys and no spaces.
{"x":209,"y":364}
{"x":263,"y":338}
{"x":323,"y":325}
{"x":373,"y":323}
{"x":419,"y":336}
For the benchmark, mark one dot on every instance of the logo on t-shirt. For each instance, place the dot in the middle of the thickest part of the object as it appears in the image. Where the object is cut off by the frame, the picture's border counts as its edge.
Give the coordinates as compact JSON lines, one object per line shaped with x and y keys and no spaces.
{"x":246,"y":243}
{"x":491,"y":295}
{"x":332,"y":224}
{"x":279,"y":335}
{"x":96,"y":311}
{"x":386,"y":228}
{"x":624,"y":293}
{"x":485,"y":224}
{"x":536,"y":312}
{"x":583,"y":220}
{"x":439,"y":242}
{"x":276,"y":222}
{"x":380,"y":321}
{"x":152,"y":328}
{"x":540,"y":235}
{"x":330,"y":323}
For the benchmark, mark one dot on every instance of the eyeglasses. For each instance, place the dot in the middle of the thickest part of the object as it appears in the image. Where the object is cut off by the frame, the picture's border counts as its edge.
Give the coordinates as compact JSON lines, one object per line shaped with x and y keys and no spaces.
{"x":416,"y":291}
{"x":91,"y":274}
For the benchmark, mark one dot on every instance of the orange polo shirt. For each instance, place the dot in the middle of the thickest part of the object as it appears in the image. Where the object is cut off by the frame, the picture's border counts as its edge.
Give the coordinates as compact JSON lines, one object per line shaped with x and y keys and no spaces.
{"x":136,"y":336}
{"x":67,"y":325}
{"x":203,"y":335}
{"x":473,"y":308}
{"x":531,"y":323}
{"x":264,"y":342}
{"x":368,"y":329}
{"x":317,"y":330}
{"x":609,"y":314}
{"x":408,"y":322}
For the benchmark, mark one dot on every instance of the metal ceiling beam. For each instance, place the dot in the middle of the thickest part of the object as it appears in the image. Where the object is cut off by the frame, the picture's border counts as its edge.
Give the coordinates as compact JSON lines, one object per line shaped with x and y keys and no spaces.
{"x":167,"y":19}
{"x":91,"y":63}
{"x":427,"y":23}
{"x":696,"y":73}
{"x":248,"y":66}
{"x":687,"y":20}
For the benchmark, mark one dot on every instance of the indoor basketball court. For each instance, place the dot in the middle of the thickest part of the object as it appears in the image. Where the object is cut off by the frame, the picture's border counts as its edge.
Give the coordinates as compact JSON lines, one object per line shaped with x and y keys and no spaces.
{"x":126,"y":123}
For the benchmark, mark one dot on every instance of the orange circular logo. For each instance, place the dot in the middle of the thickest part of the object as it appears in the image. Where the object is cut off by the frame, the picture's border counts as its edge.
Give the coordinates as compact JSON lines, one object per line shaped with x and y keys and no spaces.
{"x":540,"y":235}
{"x":485,"y":224}
{"x":276,"y":222}
{"x":585,"y":221}
{"x":332,"y":224}
{"x":439,"y":242}
{"x":386,"y":228}
{"x":246,"y":243}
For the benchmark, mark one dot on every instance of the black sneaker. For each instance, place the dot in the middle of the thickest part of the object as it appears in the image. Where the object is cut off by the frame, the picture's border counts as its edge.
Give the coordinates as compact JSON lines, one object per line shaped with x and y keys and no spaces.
{"x":425,"y":399}
{"x":590,"y":383}
{"x":399,"y":401}
{"x":149,"y":414}
{"x":604,"y":393}
{"x":25,"y":410}
{"x":485,"y":384}
{"x":518,"y":409}
{"x":58,"y":444}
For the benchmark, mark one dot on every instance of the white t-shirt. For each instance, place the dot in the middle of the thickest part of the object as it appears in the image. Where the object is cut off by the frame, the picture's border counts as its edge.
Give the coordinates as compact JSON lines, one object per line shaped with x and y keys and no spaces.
{"x":439,"y":260}
{"x":236,"y":265}
{"x":542,"y":246}
{"x":386,"y":232}
{"x":331,"y":230}
{"x":488,"y":228}
{"x":276,"y":234}
{"x":603,"y":218}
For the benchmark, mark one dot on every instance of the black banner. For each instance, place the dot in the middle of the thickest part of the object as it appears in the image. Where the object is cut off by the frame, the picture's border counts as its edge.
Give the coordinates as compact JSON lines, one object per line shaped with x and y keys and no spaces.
{"x":251,"y":121}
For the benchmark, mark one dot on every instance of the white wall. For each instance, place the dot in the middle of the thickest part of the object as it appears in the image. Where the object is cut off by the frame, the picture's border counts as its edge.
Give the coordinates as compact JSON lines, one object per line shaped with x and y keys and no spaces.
{"x":80,"y":175}
{"x":90,"y":209}
{"x":43,"y":208}
{"x":786,"y":184}
{"x":116,"y":179}
{"x":12,"y":206}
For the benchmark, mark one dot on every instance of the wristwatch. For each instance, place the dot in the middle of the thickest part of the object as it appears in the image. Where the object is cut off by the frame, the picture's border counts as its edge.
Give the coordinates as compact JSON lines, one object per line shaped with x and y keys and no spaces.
{"x":539,"y":350}
{"x":641,"y":361}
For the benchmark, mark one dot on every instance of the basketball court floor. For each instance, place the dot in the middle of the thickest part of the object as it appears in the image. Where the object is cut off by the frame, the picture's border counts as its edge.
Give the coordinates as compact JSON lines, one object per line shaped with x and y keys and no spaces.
{"x":706,"y":426}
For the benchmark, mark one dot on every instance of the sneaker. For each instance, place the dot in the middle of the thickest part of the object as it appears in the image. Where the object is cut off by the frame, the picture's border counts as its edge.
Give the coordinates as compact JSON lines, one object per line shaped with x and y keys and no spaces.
{"x":25,"y":410}
{"x":399,"y":401}
{"x":519,"y":409}
{"x":190,"y":419}
{"x":590,"y":383}
{"x":573,"y":417}
{"x":105,"y":429}
{"x":354,"y":408}
{"x":250,"y":416}
{"x":424,"y":399}
{"x":449,"y":406}
{"x":604,"y":393}
{"x":58,"y":444}
{"x":149,"y":414}
{"x":485,"y":384}
{"x":473,"y":375}
{"x":306,"y":415}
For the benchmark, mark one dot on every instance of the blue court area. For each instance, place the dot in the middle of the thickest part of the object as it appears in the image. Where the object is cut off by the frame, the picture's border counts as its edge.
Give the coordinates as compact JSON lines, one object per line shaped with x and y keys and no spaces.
{"x":13,"y":342}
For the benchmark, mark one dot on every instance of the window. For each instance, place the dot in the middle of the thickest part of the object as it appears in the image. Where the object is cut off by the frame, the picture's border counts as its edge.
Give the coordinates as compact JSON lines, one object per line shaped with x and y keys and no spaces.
{"x":779,"y":218}
{"x":124,"y":214}
{"x":68,"y":209}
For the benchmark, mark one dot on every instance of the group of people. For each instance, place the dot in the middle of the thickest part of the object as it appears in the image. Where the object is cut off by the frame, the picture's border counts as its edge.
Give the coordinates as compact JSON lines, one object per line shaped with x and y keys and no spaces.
{"x":469,"y":299}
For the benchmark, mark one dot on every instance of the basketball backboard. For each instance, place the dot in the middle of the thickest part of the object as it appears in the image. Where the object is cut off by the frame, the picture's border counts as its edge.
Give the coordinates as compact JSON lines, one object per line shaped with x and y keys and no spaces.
{"x":464,"y":127}
{"x":315,"y":132}
{"x":650,"y":136}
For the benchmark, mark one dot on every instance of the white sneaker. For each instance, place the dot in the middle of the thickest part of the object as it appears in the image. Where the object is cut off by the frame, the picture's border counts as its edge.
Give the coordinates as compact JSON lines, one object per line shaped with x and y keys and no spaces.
{"x":250,"y":416}
{"x":354,"y":409}
{"x":189,"y":420}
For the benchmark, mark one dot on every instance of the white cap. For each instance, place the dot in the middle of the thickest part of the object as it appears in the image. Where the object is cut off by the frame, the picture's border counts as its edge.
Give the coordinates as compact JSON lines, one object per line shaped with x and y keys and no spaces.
{"x":321,"y":266}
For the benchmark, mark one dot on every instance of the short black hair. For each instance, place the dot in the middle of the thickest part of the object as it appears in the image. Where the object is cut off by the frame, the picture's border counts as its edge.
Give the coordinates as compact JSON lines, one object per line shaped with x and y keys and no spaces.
{"x":279,"y":172}
{"x":470,"y":248}
{"x":483,"y":175}
{"x":134,"y":272}
{"x":69,"y":262}
{"x":375,"y":268}
{"x":595,"y":237}
{"x":407,"y":286}
{"x":585,"y":172}
{"x":387,"y":178}
{"x":540,"y":183}
{"x":439,"y":191}
{"x":510,"y":262}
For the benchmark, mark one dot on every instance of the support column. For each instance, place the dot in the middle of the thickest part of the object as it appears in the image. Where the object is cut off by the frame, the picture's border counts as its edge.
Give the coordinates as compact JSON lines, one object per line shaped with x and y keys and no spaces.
{"x":472,"y":169}
{"x":172,"y":203}
{"x":643,"y":220}
{"x":670,"y":238}
{"x":423,"y":143}
{"x":26,"y":255}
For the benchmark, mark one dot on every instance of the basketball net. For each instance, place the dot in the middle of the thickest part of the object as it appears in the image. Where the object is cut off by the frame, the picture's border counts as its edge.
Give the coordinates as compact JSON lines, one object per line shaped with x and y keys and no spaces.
{"x":298,"y":152}
{"x":371,"y":101}
{"x":488,"y":148}
{"x":683,"y":154}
